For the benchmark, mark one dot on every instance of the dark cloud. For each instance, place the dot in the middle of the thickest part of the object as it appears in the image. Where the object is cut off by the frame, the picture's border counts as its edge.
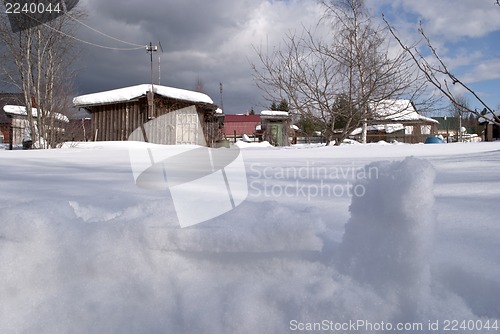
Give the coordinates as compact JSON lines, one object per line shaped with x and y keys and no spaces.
{"x":209,"y":41}
{"x":199,"y":39}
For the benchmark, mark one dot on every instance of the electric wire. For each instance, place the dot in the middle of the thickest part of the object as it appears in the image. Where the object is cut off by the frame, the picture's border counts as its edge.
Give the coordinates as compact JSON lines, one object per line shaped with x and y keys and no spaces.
{"x":137,"y":46}
{"x":102,"y":33}
{"x":93,"y":44}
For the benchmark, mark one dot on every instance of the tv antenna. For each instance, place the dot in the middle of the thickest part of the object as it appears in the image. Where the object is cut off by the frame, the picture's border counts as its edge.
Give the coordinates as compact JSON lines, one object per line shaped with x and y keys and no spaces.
{"x":159,"y":62}
{"x":221,"y":99}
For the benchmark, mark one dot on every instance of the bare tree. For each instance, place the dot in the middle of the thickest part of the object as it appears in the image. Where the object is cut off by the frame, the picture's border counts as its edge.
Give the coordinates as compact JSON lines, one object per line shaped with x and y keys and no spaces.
{"x":37,"y":61}
{"x":199,"y":86}
{"x":334,"y":82}
{"x":459,"y":111}
{"x":438,"y":75}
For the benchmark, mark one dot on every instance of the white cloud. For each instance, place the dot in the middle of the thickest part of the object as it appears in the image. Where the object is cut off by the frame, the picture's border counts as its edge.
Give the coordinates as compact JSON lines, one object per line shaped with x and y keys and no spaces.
{"x":488,"y":70}
{"x":213,"y":40}
{"x":453,"y":19}
{"x":464,"y":33}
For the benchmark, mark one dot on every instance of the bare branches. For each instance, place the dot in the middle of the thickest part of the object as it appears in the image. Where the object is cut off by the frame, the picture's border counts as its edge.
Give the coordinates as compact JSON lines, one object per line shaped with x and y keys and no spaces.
{"x":38,"y":61}
{"x":335,"y":81}
{"x":441,"y":77}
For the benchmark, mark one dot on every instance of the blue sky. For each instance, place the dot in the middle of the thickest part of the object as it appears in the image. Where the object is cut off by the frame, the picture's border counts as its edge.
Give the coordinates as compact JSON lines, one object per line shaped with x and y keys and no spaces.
{"x":213,"y":41}
{"x":466,"y":34}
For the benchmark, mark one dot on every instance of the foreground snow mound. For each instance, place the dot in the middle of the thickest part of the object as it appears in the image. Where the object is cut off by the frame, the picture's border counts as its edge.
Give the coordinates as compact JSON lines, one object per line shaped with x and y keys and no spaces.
{"x":388,"y":238}
{"x":391,"y":225}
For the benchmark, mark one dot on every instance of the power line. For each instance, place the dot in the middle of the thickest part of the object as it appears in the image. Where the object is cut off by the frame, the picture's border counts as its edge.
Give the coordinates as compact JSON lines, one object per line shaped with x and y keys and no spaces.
{"x":101,"y":33}
{"x":138,"y":47}
{"x":93,"y":44}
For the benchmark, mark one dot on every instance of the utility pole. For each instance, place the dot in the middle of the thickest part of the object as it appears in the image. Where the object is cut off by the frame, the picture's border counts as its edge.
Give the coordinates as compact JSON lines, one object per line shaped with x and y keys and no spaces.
{"x":151,"y":104}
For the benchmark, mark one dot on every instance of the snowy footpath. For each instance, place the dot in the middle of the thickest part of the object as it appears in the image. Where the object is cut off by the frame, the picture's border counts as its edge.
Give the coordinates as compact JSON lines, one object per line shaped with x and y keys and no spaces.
{"x":374,"y":238}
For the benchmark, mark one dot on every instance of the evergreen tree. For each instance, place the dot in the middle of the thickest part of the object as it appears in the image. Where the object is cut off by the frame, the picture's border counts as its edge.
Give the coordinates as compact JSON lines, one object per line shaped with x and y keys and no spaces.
{"x":308,"y":125}
{"x":283,"y":106}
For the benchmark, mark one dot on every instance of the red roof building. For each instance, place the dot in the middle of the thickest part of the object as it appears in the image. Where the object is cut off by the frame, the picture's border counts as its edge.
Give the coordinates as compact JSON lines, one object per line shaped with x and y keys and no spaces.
{"x":242,"y":124}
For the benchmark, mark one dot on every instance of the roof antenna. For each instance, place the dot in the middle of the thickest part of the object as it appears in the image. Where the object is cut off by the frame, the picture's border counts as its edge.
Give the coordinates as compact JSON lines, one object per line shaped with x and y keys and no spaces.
{"x":221,"y":99}
{"x":159,"y":63}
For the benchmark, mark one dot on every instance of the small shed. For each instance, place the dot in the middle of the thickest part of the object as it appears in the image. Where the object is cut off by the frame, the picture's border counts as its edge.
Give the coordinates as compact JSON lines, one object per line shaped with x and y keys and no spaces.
{"x":117,"y":113}
{"x":276,"y":127}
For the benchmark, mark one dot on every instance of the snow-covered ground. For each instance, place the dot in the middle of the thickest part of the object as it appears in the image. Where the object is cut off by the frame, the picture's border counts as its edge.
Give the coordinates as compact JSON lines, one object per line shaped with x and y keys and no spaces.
{"x":357,"y":238}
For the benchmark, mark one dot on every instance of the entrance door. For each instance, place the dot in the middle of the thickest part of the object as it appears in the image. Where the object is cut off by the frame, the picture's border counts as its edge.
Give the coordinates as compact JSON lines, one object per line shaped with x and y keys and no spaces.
{"x":277,"y":134}
{"x":186,"y":129}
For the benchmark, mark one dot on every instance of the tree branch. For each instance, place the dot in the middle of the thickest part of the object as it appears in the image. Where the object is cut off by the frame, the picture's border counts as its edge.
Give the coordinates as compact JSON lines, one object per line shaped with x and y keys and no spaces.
{"x":432,"y":72}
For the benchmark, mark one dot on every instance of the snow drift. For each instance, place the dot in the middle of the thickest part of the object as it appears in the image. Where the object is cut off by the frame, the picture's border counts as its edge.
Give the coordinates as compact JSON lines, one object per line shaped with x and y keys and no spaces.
{"x":84,"y":250}
{"x":388,"y":239}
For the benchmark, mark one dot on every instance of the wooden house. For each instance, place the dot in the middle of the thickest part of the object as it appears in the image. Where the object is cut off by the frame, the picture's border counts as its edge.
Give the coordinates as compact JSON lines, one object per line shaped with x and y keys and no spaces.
{"x":397,"y":120}
{"x":6,"y":130}
{"x":21,"y":133}
{"x":235,"y":126}
{"x":491,"y":130}
{"x":171,"y":115}
{"x":14,"y":122}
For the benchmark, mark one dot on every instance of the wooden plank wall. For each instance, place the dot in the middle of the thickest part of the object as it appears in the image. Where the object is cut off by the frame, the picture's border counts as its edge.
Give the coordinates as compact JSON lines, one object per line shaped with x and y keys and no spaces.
{"x":116,"y":122}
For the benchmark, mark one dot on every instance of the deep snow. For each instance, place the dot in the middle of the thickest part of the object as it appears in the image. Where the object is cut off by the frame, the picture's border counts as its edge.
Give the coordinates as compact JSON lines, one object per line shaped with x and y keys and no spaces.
{"x":83,"y":249}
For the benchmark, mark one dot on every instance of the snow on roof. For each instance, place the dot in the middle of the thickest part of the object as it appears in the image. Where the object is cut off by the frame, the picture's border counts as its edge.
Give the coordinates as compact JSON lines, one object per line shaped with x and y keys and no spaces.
{"x":274,"y":113}
{"x":21,"y":111}
{"x":387,"y":128}
{"x":133,"y":92}
{"x":488,"y":117}
{"x":398,"y":110}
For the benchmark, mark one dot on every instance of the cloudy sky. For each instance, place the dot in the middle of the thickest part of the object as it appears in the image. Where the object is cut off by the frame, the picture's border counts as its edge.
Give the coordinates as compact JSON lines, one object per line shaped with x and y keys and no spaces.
{"x":213,"y":41}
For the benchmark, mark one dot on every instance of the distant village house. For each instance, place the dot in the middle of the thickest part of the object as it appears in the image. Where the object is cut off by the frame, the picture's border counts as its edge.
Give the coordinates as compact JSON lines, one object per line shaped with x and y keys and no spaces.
{"x":491,"y":130}
{"x":397,"y":120}
{"x":235,"y":126}
{"x":272,"y":126}
{"x":14,"y":125}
